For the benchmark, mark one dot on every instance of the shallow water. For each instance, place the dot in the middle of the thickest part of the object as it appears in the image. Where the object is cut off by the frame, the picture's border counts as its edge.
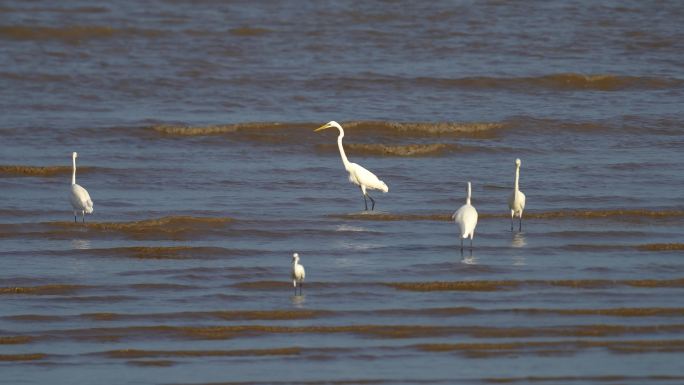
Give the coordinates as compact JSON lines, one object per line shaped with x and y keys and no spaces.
{"x":194,"y":126}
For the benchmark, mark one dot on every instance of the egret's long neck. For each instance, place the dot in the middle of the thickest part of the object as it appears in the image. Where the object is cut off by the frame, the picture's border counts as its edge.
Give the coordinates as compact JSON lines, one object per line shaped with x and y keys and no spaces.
{"x":345,"y":161}
{"x":73,"y":175}
{"x":517,"y":176}
{"x":468,"y":197}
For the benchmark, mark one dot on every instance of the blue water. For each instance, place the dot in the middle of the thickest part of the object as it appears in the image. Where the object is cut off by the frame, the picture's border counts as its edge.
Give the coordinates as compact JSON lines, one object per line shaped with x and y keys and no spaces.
{"x":182,"y":273}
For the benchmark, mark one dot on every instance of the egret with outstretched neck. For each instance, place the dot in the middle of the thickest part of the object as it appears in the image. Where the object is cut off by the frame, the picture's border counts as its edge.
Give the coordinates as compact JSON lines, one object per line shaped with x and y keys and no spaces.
{"x":516,"y":202}
{"x":358,"y":175}
{"x":80,"y":199}
{"x":466,"y":219}
{"x":298,"y":273}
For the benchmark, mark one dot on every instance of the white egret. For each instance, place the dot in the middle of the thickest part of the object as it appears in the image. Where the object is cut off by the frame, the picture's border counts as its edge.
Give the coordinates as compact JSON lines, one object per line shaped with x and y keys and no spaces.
{"x":80,"y":199}
{"x":298,"y":273}
{"x":358,"y":175}
{"x":516,"y":202}
{"x":466,"y":219}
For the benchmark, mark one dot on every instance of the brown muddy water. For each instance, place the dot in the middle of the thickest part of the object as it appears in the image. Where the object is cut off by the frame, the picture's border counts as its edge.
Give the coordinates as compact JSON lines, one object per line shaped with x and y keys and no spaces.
{"x":194,"y":127}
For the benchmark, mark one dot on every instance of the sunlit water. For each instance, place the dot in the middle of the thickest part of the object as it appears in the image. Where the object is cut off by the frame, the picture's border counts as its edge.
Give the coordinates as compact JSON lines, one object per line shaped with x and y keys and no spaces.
{"x":194,"y":126}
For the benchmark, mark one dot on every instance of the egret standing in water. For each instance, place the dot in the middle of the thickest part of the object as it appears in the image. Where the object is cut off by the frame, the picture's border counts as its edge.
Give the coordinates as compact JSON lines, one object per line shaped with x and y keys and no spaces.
{"x":79,"y":197}
{"x":516,"y":202}
{"x":358,"y":175}
{"x":298,"y":273}
{"x":466,"y":219}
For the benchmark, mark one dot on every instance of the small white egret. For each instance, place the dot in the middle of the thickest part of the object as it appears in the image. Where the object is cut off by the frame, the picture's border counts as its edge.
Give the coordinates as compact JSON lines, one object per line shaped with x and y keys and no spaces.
{"x":298,"y":273}
{"x":79,"y":197}
{"x":358,"y":175}
{"x":516,"y":202}
{"x":466,"y":219}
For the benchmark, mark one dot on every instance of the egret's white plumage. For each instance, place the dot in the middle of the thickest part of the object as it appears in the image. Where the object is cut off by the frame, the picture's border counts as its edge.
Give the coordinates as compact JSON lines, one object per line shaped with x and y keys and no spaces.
{"x":298,"y":273}
{"x":466,"y":219}
{"x":516,"y":202}
{"x":79,"y":197}
{"x":358,"y":175}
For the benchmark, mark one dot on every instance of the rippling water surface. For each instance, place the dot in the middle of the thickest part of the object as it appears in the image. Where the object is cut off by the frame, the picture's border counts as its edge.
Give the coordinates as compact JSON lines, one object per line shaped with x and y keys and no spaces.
{"x":194,"y":127}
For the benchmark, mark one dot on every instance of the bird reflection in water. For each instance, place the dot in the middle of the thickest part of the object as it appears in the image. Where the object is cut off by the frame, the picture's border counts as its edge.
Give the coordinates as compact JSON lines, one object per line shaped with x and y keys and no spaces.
{"x":518,"y":240}
{"x":468,"y":258}
{"x":81,"y":244}
{"x":298,"y":301}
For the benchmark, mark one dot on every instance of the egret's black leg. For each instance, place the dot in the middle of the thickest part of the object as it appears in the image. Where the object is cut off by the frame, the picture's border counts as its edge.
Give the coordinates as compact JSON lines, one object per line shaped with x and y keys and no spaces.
{"x":461,"y":244}
{"x":83,"y":217}
{"x":471,"y":243}
{"x":295,"y":290}
{"x":365,"y":202}
{"x":511,"y":222}
{"x":372,"y":202}
{"x":301,"y":287}
{"x":75,"y":221}
{"x":520,"y":228}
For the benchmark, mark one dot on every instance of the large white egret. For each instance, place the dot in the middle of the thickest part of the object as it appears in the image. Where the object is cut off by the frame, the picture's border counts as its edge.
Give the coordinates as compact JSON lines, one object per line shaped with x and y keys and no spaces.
{"x":466,"y":219}
{"x":79,"y":197}
{"x":358,"y":175}
{"x":298,"y":273}
{"x":516,"y":202}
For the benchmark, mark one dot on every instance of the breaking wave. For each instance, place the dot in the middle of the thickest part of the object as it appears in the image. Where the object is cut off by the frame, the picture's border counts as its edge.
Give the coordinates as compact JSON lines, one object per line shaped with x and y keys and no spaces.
{"x":515,"y":284}
{"x":562,"y":82}
{"x":165,"y":252}
{"x":15,"y":340}
{"x":544,"y":348}
{"x":406,"y":150}
{"x":22,"y":357}
{"x":39,"y":171}
{"x":420,"y":129}
{"x":172,"y":226}
{"x":661,"y":247}
{"x":389,"y":132}
{"x":226,"y":332}
{"x":557,"y":82}
{"x":136,"y":353}
{"x":397,"y":150}
{"x":42,"y":290}
{"x":71,"y":34}
{"x":259,"y":129}
{"x":245,"y":128}
{"x":304,"y":314}
{"x":249,"y":31}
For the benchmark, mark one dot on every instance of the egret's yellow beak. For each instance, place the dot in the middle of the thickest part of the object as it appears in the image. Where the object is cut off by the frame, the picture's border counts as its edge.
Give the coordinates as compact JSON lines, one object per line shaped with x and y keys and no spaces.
{"x":323,"y":127}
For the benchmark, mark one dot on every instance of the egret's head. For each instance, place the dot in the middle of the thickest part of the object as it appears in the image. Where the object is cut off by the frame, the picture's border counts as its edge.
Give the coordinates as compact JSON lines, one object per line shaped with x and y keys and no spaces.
{"x":331,"y":123}
{"x":74,"y":155}
{"x":517,"y":162}
{"x":295,"y":256}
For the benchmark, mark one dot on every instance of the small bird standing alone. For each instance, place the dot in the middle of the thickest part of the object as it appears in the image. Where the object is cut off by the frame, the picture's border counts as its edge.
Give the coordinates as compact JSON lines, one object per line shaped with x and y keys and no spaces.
{"x":298,"y":273}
